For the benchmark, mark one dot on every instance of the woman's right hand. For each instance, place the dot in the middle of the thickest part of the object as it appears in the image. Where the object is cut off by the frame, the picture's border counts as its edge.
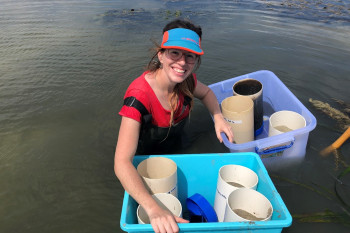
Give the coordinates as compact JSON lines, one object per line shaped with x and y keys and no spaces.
{"x":163,"y":221}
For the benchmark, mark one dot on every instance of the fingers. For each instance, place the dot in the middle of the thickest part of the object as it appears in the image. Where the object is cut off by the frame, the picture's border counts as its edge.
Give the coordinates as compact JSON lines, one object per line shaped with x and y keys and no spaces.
{"x":165,"y":227}
{"x":166,"y":224}
{"x":218,"y":135}
{"x":181,"y":220}
{"x":156,"y":228}
{"x":227,"y":130}
{"x":221,"y":126}
{"x":230,"y":134}
{"x":173,"y":227}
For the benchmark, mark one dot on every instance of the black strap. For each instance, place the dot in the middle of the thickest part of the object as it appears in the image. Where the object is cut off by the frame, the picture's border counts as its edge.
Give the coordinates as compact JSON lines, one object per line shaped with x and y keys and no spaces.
{"x":133,"y":102}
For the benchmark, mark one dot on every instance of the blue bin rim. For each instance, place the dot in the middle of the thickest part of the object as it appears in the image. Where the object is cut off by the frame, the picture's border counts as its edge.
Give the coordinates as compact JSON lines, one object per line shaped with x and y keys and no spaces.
{"x":212,"y":226}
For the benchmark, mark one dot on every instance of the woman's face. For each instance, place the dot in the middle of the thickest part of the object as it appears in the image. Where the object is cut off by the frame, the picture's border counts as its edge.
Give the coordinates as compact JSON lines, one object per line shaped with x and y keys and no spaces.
{"x":177,"y":64}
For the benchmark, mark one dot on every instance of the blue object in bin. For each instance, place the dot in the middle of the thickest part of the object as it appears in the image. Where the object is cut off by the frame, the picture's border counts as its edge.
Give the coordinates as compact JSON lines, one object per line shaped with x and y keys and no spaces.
{"x":199,"y":206}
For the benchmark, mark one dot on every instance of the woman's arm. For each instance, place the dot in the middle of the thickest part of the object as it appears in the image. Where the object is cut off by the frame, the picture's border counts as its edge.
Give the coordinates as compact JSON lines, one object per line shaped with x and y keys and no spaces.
{"x":161,"y":220}
{"x":208,"y":98}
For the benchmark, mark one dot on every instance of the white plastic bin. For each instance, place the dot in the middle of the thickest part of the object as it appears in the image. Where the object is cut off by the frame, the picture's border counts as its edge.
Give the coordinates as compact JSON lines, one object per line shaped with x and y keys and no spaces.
{"x":280,"y":150}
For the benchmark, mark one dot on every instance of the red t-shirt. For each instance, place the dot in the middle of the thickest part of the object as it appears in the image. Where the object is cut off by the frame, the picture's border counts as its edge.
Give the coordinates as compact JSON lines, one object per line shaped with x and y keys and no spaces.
{"x":142,"y":91}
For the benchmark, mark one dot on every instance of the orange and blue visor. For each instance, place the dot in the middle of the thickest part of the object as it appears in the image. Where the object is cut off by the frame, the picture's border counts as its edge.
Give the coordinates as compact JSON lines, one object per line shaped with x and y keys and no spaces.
{"x":181,"y":38}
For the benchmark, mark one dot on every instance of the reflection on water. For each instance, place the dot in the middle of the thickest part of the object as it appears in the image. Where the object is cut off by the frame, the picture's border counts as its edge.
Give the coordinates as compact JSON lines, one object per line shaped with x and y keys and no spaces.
{"x":66,"y":64}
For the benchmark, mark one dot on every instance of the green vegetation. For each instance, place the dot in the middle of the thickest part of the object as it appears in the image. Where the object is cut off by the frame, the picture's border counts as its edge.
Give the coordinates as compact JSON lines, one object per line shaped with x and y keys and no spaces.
{"x":326,"y":216}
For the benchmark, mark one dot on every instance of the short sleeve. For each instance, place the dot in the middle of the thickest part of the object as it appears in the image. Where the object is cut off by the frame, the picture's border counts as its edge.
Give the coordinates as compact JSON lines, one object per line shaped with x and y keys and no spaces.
{"x":130,"y":111}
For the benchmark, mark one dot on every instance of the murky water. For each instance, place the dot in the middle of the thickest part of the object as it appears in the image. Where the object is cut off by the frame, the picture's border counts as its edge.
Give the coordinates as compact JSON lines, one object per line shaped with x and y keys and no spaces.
{"x":64,"y":69}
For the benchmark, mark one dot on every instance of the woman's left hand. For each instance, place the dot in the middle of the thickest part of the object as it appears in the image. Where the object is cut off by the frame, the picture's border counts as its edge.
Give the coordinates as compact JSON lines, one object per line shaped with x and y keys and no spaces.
{"x":207,"y":96}
{"x":221,"y":125}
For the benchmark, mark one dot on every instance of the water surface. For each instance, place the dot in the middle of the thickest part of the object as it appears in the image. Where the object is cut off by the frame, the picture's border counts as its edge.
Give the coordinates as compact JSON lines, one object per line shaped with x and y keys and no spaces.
{"x":65,"y":66}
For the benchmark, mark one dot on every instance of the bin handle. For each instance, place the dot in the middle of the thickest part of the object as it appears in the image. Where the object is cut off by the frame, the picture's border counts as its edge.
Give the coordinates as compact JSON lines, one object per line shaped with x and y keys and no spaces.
{"x":224,"y":138}
{"x":267,"y":148}
{"x":273,"y":150}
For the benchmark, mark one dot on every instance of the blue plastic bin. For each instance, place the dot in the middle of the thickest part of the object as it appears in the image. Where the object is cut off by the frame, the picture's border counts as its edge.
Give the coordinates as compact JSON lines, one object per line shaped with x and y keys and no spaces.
{"x":198,"y":173}
{"x":278,"y":151}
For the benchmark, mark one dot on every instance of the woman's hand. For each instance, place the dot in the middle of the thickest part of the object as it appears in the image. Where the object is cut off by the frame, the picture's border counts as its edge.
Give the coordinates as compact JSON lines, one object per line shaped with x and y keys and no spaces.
{"x":207,"y":96}
{"x":163,"y":221}
{"x":221,"y":125}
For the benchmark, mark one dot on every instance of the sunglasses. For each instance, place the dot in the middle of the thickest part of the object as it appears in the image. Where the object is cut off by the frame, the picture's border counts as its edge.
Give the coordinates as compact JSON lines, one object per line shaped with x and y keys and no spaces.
{"x":176,"y":54}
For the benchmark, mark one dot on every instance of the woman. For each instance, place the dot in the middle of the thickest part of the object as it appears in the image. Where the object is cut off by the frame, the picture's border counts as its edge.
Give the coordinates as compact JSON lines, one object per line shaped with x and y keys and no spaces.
{"x":156,"y":106}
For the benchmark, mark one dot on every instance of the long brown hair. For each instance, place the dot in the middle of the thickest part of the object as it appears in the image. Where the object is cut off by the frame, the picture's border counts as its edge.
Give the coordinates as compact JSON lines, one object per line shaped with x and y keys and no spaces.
{"x":186,"y":87}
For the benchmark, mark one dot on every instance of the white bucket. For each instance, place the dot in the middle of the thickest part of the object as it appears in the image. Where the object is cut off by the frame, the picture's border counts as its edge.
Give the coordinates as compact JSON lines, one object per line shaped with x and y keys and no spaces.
{"x":232,"y":177}
{"x":159,"y":175}
{"x":238,"y":111}
{"x":164,"y":200}
{"x":285,"y":121}
{"x":247,"y":205}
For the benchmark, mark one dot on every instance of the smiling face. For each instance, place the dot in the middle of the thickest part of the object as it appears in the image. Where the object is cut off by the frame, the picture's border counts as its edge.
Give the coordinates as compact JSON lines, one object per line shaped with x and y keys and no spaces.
{"x":177,"y":64}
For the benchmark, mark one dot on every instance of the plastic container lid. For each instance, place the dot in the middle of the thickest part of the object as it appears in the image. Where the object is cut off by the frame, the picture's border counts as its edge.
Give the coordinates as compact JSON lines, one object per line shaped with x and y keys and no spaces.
{"x":199,"y":206}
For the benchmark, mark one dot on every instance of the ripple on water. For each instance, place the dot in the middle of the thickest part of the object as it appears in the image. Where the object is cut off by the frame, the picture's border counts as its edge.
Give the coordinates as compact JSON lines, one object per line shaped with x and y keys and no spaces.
{"x":65,"y":67}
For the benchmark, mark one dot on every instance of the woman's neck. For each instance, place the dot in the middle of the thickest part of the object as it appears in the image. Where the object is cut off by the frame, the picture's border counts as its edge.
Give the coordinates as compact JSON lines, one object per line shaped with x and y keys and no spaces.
{"x":161,"y":87}
{"x":163,"y":83}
